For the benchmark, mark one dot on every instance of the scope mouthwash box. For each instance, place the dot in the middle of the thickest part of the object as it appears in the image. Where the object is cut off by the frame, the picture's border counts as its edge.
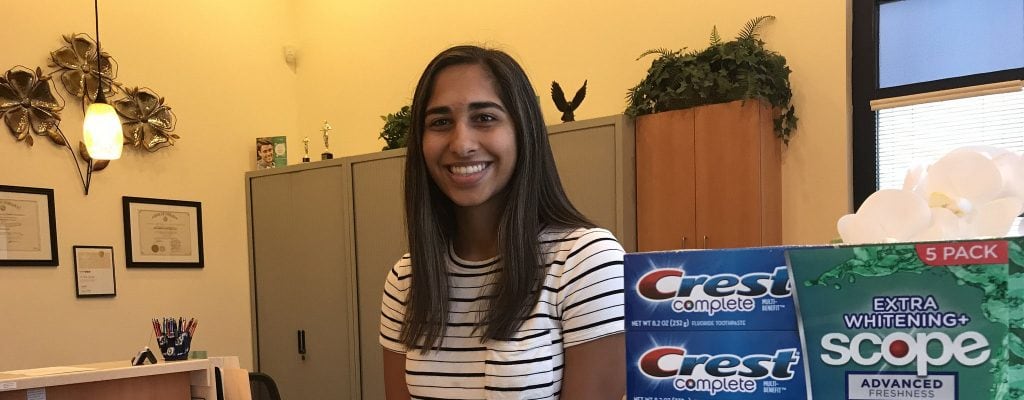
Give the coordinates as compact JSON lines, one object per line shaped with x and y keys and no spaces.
{"x":935,"y":320}
{"x":714,"y":365}
{"x":721,"y":289}
{"x":712,"y":325}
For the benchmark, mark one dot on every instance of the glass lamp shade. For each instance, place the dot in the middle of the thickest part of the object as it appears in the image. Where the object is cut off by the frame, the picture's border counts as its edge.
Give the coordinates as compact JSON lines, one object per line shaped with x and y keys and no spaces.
{"x":102,"y":132}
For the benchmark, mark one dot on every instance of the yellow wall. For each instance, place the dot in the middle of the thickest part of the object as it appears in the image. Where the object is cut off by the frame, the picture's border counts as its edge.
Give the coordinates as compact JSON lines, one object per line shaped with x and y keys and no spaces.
{"x":220,"y":65}
{"x":221,"y":70}
{"x":360,"y":60}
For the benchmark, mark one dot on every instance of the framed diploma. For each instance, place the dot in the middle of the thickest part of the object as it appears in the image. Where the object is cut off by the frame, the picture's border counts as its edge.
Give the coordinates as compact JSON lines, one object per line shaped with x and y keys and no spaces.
{"x":162,"y":233}
{"x":28,"y":229}
{"x":94,"y":271}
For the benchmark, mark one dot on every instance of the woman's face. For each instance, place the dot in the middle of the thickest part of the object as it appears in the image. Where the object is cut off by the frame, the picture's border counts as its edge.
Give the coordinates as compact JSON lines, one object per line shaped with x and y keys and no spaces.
{"x":469,"y":142}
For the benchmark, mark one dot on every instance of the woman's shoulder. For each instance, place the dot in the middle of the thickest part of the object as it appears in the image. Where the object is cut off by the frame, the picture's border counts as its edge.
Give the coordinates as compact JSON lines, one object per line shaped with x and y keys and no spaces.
{"x":561,"y":244}
{"x":570,"y":236}
{"x":401,"y":271}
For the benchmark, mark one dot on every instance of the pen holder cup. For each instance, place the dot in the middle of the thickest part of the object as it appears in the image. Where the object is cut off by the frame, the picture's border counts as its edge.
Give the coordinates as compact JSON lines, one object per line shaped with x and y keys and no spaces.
{"x":174,"y":348}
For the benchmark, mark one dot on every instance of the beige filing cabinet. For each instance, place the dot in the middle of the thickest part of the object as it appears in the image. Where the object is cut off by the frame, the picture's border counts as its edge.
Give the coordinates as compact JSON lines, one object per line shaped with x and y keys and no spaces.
{"x":323,"y":235}
{"x":596,"y":161}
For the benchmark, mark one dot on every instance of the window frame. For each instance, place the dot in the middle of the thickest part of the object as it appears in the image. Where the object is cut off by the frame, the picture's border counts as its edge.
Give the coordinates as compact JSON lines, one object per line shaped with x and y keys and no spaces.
{"x":865,"y":88}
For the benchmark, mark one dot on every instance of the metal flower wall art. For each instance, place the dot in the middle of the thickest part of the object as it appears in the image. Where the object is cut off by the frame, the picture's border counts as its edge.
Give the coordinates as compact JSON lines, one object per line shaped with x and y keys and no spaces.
{"x":971,"y":192}
{"x":76,"y":63}
{"x":146,"y":120}
{"x":29,"y":105}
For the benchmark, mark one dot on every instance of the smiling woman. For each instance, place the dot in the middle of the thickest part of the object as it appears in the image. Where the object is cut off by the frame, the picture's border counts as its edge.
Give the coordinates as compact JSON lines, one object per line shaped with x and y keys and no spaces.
{"x":469,"y":140}
{"x":508,"y":291}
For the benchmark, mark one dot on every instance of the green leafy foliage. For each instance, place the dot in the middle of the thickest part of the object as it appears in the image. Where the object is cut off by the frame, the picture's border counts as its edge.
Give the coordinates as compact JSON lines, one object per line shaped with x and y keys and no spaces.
{"x":396,"y":128}
{"x":723,"y":72}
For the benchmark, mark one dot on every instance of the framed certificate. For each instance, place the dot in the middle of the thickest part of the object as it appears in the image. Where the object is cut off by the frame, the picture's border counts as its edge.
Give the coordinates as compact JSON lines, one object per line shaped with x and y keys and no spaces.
{"x":28,"y":229}
{"x":94,"y":271}
{"x":162,"y":233}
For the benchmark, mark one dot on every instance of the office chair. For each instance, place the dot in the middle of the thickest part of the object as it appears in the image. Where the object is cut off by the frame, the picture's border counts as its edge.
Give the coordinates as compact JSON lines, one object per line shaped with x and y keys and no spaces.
{"x":263,"y":387}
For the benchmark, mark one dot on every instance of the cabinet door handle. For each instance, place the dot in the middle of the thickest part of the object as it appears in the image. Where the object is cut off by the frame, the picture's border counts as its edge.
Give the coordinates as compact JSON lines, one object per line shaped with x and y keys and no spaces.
{"x":705,"y":241}
{"x":684,"y":243}
{"x":302,"y":343}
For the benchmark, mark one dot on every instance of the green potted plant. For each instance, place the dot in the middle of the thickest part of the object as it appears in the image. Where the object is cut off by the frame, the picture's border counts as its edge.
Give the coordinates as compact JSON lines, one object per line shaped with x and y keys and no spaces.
{"x":709,"y":131}
{"x":396,"y":128}
{"x":721,"y":73}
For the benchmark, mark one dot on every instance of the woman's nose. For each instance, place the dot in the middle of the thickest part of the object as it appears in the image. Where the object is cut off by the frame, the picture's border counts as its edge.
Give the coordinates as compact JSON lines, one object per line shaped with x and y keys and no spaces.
{"x":464,"y":142}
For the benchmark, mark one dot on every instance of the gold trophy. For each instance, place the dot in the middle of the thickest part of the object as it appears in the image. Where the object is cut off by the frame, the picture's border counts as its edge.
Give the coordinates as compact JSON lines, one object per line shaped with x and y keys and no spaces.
{"x":305,"y":145}
{"x":326,"y":155}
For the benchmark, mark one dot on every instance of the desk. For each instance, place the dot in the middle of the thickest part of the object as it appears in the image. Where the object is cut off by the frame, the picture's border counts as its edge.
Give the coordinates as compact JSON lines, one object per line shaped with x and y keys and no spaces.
{"x":117,"y":380}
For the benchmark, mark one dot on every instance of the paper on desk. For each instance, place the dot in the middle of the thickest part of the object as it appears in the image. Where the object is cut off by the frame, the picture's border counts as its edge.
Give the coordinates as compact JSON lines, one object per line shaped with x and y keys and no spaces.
{"x":48,"y":371}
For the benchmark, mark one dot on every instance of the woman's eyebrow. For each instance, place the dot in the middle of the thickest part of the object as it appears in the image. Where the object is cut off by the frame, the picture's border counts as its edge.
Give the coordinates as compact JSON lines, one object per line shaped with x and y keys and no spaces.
{"x":478,"y":105}
{"x":439,"y":110}
{"x":485,"y":104}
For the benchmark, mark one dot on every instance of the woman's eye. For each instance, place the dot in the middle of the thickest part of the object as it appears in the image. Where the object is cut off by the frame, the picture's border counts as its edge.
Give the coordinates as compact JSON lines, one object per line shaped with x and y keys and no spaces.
{"x":438,"y":122}
{"x":485,"y":118}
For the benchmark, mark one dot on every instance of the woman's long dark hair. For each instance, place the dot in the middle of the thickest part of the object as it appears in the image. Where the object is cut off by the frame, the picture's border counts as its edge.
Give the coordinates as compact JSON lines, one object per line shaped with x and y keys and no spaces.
{"x":534,"y":198}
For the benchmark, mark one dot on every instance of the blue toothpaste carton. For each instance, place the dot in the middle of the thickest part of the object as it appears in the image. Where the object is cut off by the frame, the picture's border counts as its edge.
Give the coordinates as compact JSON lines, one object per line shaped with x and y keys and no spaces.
{"x":722,"y":289}
{"x":719,"y":365}
{"x":712,"y":324}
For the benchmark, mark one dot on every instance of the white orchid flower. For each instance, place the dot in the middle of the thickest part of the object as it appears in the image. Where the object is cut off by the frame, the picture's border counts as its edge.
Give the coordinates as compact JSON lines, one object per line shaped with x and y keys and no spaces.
{"x":886,"y":216}
{"x":972,"y":185}
{"x":970,"y":192}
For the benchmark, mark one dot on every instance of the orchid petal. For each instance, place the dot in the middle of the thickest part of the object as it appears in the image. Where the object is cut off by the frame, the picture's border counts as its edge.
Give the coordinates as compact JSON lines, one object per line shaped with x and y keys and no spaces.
{"x":856,"y":229}
{"x":989,"y":152}
{"x":966,"y":174}
{"x":900,"y":214}
{"x":915,"y":176}
{"x":944,"y":225}
{"x":994,"y":219}
{"x":1011,"y":168}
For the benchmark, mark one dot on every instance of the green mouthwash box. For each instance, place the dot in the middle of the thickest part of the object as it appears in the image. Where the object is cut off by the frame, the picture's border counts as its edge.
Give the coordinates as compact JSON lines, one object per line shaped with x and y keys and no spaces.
{"x":908,"y":321}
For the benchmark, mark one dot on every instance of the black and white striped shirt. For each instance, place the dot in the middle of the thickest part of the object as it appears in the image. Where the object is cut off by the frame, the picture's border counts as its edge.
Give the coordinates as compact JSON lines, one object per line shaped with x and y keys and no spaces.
{"x":581,"y":300}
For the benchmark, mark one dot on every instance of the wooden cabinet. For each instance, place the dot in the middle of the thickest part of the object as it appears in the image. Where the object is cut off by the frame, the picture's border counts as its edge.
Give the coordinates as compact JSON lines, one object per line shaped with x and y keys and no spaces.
{"x":708,"y":177}
{"x":323,"y":236}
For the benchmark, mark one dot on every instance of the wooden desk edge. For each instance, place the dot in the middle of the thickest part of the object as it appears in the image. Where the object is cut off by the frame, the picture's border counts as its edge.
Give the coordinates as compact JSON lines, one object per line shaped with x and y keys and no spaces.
{"x":101,"y":372}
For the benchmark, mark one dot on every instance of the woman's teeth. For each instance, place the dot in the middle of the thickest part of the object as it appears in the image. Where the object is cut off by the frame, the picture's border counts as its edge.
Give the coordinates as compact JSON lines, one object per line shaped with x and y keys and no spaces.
{"x":466,"y":169}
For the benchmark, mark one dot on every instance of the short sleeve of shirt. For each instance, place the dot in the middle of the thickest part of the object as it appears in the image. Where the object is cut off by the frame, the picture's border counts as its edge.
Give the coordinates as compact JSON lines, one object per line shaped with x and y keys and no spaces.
{"x":591,"y":288}
{"x":392,"y":305}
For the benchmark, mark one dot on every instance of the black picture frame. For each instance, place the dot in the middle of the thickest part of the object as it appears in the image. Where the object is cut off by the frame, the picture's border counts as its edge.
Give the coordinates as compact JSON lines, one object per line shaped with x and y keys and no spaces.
{"x":109,"y":255}
{"x":162,"y":233}
{"x":37,"y":253}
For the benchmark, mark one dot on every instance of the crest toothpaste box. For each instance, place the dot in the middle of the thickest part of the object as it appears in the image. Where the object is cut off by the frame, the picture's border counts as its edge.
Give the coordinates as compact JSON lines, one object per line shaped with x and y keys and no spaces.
{"x":937,"y":320}
{"x":722,"y":365}
{"x":723,"y":289}
{"x":712,"y":324}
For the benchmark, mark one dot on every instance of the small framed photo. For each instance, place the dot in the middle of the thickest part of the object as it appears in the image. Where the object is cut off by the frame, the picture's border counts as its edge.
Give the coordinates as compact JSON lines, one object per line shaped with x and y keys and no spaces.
{"x":28,"y":227}
{"x":271,"y":152}
{"x":94,"y":271}
{"x":162,"y":233}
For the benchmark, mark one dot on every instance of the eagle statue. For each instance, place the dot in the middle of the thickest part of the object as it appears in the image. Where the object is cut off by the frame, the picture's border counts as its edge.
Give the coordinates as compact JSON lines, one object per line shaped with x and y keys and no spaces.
{"x":567,"y":107}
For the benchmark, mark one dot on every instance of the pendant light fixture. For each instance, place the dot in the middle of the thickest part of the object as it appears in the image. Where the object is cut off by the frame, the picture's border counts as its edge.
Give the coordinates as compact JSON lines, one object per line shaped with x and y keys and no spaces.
{"x":102,"y":133}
